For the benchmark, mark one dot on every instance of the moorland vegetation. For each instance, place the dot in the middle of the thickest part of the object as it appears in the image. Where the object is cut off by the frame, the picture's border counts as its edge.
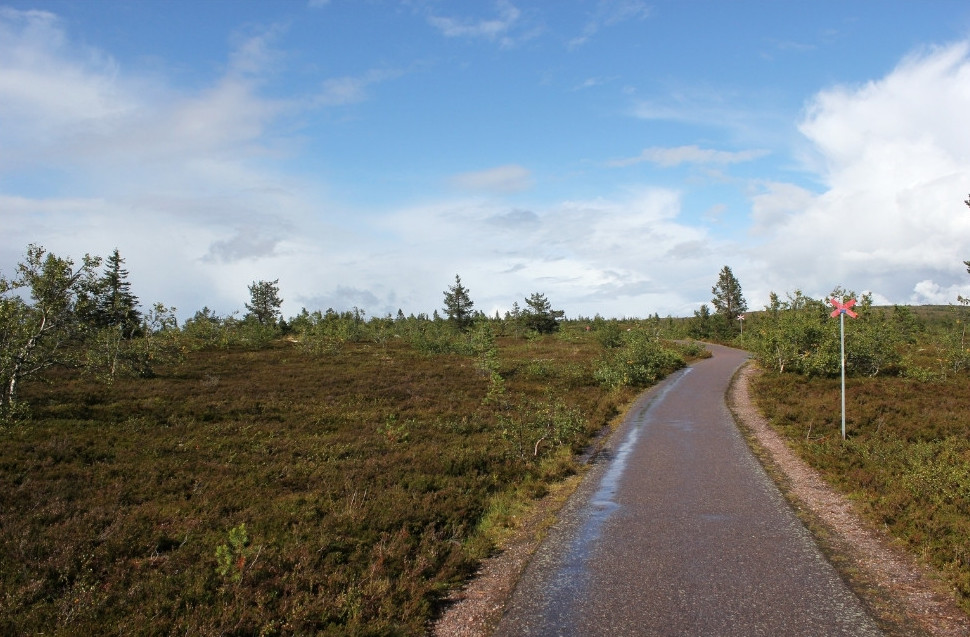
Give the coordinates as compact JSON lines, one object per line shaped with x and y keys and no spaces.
{"x":331,"y":473}
{"x":905,"y":461}
{"x":335,"y":473}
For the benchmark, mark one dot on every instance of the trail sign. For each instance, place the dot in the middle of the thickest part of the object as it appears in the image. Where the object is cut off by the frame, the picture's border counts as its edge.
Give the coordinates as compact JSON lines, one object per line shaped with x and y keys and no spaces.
{"x":841,"y":309}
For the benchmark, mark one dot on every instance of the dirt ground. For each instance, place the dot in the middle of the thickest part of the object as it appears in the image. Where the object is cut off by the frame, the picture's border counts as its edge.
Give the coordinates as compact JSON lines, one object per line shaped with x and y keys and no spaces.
{"x":906,"y":598}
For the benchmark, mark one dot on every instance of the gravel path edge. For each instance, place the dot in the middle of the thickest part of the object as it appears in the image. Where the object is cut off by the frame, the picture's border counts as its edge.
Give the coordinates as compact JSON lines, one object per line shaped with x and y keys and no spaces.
{"x":905,"y":597}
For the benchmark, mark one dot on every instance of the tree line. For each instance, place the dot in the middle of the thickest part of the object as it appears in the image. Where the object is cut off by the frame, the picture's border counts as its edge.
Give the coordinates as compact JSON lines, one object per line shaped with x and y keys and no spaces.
{"x":56,"y":312}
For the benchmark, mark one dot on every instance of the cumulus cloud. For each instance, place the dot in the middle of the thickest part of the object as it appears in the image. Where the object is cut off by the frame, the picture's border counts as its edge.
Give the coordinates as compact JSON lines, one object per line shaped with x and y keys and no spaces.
{"x":166,"y":175}
{"x":894,"y":158}
{"x":191,"y":185}
{"x":615,"y":256}
{"x":773,"y":202}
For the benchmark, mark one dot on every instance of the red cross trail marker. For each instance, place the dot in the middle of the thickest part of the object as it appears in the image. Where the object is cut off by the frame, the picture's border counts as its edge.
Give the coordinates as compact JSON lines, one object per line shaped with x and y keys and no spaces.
{"x":841,"y":309}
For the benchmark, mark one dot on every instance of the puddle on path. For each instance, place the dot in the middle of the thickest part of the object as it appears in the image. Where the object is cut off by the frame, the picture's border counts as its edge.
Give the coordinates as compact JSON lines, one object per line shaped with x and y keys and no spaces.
{"x":570,"y":580}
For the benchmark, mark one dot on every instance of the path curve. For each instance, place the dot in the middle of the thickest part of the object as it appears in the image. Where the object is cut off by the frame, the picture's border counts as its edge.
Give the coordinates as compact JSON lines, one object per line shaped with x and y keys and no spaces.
{"x":678,"y":530}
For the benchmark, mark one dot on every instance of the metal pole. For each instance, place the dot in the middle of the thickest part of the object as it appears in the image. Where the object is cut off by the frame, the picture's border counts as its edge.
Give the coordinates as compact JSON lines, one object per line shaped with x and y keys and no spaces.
{"x":842,"y":350}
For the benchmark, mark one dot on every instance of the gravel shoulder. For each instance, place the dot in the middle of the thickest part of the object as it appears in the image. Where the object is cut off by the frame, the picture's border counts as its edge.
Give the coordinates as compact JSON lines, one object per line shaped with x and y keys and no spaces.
{"x":905,"y":597}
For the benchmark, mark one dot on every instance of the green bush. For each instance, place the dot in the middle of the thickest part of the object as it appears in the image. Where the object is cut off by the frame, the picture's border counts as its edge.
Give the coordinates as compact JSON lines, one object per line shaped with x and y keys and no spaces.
{"x":641,"y":361}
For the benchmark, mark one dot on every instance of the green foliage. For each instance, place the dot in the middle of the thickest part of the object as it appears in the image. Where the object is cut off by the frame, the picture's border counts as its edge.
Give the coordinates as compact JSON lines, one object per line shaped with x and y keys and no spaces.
{"x":639,"y":363}
{"x":608,"y":333}
{"x":115,"y":305}
{"x":40,"y":333}
{"x":539,"y":315}
{"x":487,"y":359}
{"x":693,"y":350}
{"x":799,"y":335}
{"x":265,"y":302}
{"x":728,"y":301}
{"x":539,"y":427}
{"x":204,"y":329}
{"x":434,"y":337}
{"x":322,"y":333}
{"x":704,"y":325}
{"x":906,"y":461}
{"x":232,"y":558}
{"x":109,"y":353}
{"x":459,"y":305}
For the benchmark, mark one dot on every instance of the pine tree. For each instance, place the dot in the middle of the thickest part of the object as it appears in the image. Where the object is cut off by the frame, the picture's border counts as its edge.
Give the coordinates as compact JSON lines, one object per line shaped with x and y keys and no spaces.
{"x":116,"y":305}
{"x":540,"y":316}
{"x":458,"y":305}
{"x":728,"y":300}
{"x":265,"y":302}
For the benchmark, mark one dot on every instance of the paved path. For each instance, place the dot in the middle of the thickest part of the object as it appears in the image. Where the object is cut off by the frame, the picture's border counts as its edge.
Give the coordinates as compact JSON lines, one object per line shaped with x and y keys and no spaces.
{"x":677,"y":530}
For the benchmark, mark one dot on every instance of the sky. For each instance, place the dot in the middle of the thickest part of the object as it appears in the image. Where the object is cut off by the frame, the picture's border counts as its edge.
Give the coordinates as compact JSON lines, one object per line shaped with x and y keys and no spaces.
{"x":612,"y":155}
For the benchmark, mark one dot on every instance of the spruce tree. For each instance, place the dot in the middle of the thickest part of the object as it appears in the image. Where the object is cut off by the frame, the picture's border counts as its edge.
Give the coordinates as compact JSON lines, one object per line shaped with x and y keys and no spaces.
{"x":728,"y":300}
{"x":458,"y":305}
{"x":116,"y":305}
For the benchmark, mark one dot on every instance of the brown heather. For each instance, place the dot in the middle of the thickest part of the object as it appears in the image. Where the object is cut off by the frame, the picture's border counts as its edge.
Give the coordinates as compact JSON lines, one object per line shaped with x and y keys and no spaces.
{"x":906,"y":460}
{"x":276,"y":492}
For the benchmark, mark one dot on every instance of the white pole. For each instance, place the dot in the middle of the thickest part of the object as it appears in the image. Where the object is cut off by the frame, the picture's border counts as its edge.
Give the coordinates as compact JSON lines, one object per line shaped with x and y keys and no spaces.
{"x":842,"y":350}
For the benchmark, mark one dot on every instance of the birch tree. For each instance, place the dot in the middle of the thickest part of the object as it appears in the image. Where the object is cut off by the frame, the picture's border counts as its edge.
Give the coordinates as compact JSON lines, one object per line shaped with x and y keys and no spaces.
{"x":40,"y":310}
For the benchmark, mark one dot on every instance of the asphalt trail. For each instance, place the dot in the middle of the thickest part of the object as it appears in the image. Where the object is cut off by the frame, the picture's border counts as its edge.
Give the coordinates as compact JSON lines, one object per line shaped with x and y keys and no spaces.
{"x":677,"y":530}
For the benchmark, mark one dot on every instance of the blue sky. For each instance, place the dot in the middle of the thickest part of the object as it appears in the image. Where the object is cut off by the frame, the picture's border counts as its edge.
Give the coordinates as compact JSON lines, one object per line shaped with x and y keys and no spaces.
{"x":613,"y":155}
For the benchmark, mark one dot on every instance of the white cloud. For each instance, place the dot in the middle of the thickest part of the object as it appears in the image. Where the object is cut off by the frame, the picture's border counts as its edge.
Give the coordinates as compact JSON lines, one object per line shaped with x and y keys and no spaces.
{"x":689,"y":155}
{"x":614,"y":256}
{"x":505,"y":29}
{"x":773,"y":202}
{"x":894,"y":155}
{"x":49,"y":88}
{"x":609,"y":13}
{"x":186,"y":183}
{"x":190,"y":185}
{"x":932,"y":293}
{"x":593,"y":82}
{"x":339,"y":91}
{"x":501,"y":179}
{"x":178,"y":180}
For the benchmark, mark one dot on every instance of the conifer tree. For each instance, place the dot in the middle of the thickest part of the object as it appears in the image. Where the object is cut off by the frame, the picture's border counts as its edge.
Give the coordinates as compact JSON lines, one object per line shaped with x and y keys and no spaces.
{"x":540,"y":316}
{"x":265,"y":302}
{"x":116,"y":305}
{"x":458,"y":305}
{"x":728,"y":300}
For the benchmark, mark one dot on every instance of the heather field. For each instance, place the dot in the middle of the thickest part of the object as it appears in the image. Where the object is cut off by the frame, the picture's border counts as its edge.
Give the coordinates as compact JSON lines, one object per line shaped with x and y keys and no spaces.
{"x":340,"y":475}
{"x":285,"y":489}
{"x":905,"y":461}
